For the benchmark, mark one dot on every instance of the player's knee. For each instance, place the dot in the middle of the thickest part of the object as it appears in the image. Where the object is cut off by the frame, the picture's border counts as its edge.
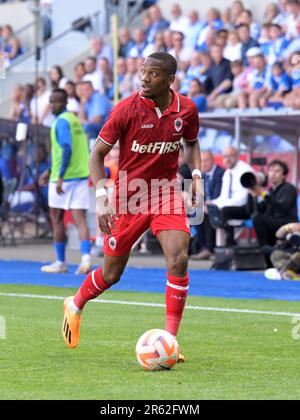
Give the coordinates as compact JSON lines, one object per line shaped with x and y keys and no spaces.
{"x":177,"y":264}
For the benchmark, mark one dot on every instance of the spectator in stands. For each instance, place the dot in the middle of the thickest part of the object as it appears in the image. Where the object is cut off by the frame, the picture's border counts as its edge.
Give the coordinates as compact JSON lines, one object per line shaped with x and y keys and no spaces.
{"x":213,"y":179}
{"x":213,"y":23}
{"x":246,"y":40}
{"x":28,"y":93}
{"x":107,"y":76}
{"x":279,"y":84}
{"x":57,"y":78}
{"x":273,"y":15}
{"x":147,"y":22}
{"x":158,"y":23}
{"x":292,"y":98}
{"x":294,"y":45}
{"x":278,"y":44}
{"x":94,"y":110}
{"x":293,"y":11}
{"x":39,"y":105}
{"x":193,"y":29}
{"x":100,"y":50}
{"x":233,"y":200}
{"x":93,"y":75}
{"x":126,"y":42}
{"x":236,"y":9}
{"x":168,"y":39}
{"x":158,"y":46}
{"x":179,"y":22}
{"x":257,"y":81}
{"x":226,"y":19}
{"x":11,"y":46}
{"x":195,"y":71}
{"x":182,"y":54}
{"x":275,"y":208}
{"x":122,"y":69}
{"x":233,"y":49}
{"x":222,"y":38}
{"x":219,"y":76}
{"x":16,"y":107}
{"x":73,"y":100}
{"x":265,"y":40}
{"x":79,"y":72}
{"x":139,"y":44}
{"x":246,"y":18}
{"x":231,"y":100}
{"x":196,"y":93}
{"x":131,"y":81}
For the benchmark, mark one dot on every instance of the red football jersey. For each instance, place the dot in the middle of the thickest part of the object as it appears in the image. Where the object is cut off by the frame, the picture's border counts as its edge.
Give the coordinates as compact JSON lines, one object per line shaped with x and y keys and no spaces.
{"x":149,"y":140}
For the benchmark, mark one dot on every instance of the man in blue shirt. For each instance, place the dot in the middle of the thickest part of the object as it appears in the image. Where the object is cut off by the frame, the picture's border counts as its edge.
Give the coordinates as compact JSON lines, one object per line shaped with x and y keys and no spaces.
{"x":94,"y":110}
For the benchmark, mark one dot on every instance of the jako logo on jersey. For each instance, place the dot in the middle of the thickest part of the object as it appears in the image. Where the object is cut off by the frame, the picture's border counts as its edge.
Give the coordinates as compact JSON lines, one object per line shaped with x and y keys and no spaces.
{"x":147,"y":126}
{"x":112,"y":243}
{"x":178,"y":124}
{"x":158,"y":147}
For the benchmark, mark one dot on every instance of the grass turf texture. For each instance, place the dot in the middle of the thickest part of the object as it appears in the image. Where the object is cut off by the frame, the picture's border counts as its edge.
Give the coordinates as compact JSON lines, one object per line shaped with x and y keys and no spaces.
{"x":229,"y":356}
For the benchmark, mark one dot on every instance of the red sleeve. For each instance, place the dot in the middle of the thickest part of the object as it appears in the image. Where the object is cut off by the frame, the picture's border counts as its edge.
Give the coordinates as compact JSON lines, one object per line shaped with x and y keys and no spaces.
{"x":114,"y":126}
{"x":192,"y":127}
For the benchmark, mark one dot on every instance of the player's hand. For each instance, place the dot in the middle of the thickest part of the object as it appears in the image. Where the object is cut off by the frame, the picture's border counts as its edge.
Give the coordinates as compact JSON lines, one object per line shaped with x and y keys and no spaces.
{"x":59,"y":185}
{"x":105,"y":214}
{"x":196,"y":192}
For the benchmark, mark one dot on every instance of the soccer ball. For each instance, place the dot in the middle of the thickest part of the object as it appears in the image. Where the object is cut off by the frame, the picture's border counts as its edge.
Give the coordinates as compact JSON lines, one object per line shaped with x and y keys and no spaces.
{"x":157,"y":350}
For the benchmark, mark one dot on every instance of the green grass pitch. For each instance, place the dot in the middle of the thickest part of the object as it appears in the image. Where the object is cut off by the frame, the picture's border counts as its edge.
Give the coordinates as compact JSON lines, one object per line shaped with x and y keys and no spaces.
{"x":228,"y":355}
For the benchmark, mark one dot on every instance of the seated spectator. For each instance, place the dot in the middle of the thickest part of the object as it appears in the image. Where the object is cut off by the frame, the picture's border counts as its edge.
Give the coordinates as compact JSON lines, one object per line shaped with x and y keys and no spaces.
{"x":73,"y":100}
{"x":100,"y":50}
{"x":57,"y":78}
{"x":107,"y":76}
{"x":273,"y":15}
{"x":233,"y":49}
{"x":195,"y":71}
{"x":209,"y":41}
{"x":278,"y":44}
{"x":40,"y":106}
{"x":182,"y":54}
{"x":147,"y":22}
{"x":193,"y":29}
{"x":279,"y":84}
{"x":93,"y":75}
{"x":140,"y":44}
{"x":247,"y":41}
{"x":168,"y":39}
{"x":213,"y":178}
{"x":231,"y":100}
{"x":246,"y":18}
{"x":179,"y":22}
{"x":16,"y":107}
{"x":233,"y":200}
{"x":219,"y":76}
{"x":196,"y":93}
{"x":294,"y":44}
{"x":292,"y":98}
{"x":275,"y":208}
{"x":226,"y":19}
{"x":79,"y":72}
{"x":158,"y":23}
{"x":126,"y":43}
{"x":94,"y":110}
{"x":213,"y":23}
{"x":265,"y":40}
{"x":158,"y":46}
{"x":222,"y":38}
{"x":11,"y":46}
{"x":257,"y":81}
{"x":293,"y":11}
{"x":236,"y":9}
{"x":131,"y":81}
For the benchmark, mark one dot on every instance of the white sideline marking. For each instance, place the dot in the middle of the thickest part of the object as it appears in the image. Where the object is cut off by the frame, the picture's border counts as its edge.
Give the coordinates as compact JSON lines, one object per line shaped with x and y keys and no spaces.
{"x":156,"y":305}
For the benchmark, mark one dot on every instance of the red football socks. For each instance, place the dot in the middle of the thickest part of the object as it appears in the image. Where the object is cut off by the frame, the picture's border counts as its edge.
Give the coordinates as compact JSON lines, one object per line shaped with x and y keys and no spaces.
{"x":176,"y":295}
{"x":92,"y":287}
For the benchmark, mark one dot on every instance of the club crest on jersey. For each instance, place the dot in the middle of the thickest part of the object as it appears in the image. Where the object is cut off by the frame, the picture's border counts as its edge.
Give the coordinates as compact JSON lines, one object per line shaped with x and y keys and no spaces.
{"x":178,"y":124}
{"x":112,"y":243}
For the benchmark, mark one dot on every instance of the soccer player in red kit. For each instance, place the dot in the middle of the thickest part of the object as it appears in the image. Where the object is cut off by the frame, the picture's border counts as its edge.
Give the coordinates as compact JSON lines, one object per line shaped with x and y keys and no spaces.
{"x":149,"y":126}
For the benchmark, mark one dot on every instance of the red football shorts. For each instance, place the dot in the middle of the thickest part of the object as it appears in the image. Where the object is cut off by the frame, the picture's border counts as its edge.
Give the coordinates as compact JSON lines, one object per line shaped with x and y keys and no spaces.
{"x":129,"y":229}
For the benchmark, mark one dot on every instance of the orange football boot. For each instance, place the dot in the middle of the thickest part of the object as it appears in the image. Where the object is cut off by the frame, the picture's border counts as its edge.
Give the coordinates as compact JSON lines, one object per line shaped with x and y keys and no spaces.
{"x":71,"y":326}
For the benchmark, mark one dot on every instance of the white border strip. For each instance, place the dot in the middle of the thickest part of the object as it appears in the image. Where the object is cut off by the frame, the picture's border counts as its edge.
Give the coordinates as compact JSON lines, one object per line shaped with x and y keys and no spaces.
{"x":156,"y":305}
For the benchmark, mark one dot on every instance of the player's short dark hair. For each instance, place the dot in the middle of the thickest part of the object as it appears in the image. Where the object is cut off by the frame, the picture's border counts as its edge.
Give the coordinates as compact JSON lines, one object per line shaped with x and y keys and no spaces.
{"x":168,"y":61}
{"x":61,"y":92}
{"x":283,"y":165}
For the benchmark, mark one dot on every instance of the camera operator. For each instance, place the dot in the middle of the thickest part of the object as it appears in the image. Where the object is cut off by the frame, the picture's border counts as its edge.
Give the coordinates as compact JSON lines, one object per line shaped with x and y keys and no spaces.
{"x":275,"y":208}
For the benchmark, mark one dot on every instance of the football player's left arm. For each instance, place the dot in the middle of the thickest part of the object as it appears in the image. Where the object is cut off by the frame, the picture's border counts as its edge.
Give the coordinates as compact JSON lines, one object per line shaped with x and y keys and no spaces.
{"x":193,"y":159}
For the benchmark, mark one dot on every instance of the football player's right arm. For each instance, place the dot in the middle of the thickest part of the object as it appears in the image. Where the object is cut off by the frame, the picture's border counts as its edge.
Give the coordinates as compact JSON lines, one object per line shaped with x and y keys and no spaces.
{"x":97,"y":173}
